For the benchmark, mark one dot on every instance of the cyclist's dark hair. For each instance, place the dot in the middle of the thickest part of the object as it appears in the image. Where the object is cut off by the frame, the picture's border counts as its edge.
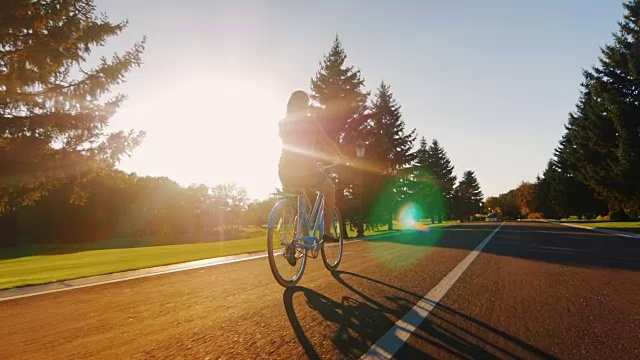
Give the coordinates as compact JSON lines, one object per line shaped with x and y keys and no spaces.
{"x":298,"y":102}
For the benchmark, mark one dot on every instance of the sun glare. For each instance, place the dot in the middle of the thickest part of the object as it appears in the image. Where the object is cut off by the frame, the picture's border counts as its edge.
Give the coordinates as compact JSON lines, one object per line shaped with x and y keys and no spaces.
{"x":213,"y":129}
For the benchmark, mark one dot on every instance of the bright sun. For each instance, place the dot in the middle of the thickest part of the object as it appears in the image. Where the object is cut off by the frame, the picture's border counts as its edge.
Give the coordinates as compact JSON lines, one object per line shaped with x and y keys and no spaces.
{"x":212,"y":130}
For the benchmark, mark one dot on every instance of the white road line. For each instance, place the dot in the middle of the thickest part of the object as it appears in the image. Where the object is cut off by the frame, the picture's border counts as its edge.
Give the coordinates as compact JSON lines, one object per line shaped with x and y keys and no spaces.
{"x":393,"y":340}
{"x":73,"y":284}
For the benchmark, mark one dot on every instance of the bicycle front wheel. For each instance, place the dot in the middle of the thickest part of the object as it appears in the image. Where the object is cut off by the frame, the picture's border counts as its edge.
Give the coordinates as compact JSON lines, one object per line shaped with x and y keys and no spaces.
{"x":332,"y":251}
{"x":285,"y":227}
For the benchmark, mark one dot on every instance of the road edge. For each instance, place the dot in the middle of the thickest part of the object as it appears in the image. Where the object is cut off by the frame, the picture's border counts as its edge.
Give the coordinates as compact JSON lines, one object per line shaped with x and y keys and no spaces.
{"x":78,"y":283}
{"x":42,"y":289}
{"x":604,"y":231}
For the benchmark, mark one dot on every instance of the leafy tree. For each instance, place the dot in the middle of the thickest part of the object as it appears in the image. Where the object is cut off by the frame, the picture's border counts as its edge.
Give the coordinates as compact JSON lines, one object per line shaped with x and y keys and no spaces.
{"x":258,"y":211}
{"x":467,"y":196}
{"x":604,"y":130}
{"x":53,"y":115}
{"x":510,"y":208}
{"x":229,"y":201}
{"x":525,"y":198}
{"x":196,"y":211}
{"x":131,"y":211}
{"x":493,"y":204}
{"x":505,"y":205}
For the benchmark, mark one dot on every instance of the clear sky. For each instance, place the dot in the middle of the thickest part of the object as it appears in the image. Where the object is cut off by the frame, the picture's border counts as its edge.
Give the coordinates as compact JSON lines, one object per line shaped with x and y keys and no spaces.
{"x":493,"y":81}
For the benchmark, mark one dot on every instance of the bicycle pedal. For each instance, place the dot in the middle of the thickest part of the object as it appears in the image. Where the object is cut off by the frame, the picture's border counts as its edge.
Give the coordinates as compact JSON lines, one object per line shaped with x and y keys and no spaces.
{"x":329,"y":239}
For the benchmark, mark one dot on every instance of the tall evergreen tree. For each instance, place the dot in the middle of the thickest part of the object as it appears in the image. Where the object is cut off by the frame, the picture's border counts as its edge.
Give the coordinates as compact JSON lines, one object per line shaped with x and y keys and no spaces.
{"x":543,"y":193}
{"x":341,"y":105}
{"x":424,"y":186}
{"x":438,"y":161}
{"x":567,"y":193}
{"x":467,"y":196}
{"x":605,"y":128}
{"x":390,"y":148}
{"x":422,"y":152}
{"x":432,"y":161}
{"x":390,"y":143}
{"x":53,"y":115}
{"x":338,"y":90}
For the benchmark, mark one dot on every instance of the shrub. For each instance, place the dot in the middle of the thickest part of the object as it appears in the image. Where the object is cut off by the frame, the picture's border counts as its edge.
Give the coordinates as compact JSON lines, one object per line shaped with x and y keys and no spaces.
{"x":619,"y":215}
{"x":535,"y":215}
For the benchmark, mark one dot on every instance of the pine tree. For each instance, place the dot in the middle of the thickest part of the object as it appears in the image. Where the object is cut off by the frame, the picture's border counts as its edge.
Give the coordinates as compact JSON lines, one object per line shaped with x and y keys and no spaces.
{"x":390,"y":148}
{"x":543,"y":193}
{"x":391,"y":144}
{"x":53,"y":115}
{"x":422,"y":152}
{"x":467,"y":196}
{"x":424,"y":187}
{"x":439,"y":163}
{"x":432,"y":162}
{"x":338,"y":90}
{"x":567,"y":193}
{"x":341,"y":105}
{"x":605,"y":128}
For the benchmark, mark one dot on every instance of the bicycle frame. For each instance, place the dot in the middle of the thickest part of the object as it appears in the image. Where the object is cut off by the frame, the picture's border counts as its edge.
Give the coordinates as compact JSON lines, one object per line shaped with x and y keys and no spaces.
{"x":317,"y":214}
{"x":293,"y":215}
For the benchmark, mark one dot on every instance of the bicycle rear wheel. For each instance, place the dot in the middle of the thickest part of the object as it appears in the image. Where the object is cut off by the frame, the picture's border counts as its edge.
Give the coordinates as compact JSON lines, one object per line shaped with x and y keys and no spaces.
{"x":286,"y":260}
{"x":332,"y":251}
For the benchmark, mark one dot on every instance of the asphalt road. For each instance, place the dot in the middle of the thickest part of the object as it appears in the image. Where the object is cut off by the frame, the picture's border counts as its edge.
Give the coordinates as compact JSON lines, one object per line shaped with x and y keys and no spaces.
{"x":536,"y":290}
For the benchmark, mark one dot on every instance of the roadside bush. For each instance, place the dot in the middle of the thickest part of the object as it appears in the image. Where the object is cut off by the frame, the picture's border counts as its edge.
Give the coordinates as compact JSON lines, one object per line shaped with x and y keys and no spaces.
{"x":536,"y":215}
{"x":619,"y":215}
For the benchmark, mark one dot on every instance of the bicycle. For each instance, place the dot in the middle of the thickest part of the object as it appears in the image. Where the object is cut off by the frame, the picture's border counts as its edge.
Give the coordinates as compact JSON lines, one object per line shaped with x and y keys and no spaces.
{"x":289,"y":218}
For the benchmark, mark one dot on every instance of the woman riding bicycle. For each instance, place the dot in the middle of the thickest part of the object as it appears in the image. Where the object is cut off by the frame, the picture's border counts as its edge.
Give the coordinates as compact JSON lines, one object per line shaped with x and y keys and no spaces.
{"x":301,"y":134}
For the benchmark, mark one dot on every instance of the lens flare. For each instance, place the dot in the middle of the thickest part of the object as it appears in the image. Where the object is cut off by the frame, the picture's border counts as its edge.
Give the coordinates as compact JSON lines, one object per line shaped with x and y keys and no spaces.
{"x":409,"y":217}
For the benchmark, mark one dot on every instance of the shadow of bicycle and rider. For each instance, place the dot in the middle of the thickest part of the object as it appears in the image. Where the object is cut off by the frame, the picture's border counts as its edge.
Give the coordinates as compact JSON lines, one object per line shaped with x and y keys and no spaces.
{"x":371,"y":307}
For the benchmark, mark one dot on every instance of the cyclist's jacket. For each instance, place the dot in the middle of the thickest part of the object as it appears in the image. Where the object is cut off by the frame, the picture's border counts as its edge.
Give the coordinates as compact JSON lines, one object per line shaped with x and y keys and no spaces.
{"x":299,"y":150}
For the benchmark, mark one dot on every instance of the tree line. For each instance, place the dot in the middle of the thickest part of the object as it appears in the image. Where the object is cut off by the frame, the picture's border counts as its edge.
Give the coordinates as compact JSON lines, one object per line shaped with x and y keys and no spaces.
{"x":395,"y":169}
{"x":595,"y":170}
{"x":58,"y":165}
{"x":141,"y":210}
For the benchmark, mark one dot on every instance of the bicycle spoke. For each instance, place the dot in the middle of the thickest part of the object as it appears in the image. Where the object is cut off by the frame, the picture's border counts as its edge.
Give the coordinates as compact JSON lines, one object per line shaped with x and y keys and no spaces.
{"x":285,"y":258}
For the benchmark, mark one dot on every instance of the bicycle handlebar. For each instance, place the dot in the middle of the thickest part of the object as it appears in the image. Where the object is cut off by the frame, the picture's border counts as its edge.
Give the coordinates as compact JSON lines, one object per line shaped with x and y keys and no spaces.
{"x":331,"y":165}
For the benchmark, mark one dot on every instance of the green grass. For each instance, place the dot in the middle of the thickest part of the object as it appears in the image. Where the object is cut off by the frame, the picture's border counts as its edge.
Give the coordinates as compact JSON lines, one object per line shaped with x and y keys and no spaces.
{"x":628,"y":226}
{"x":42,"y":269}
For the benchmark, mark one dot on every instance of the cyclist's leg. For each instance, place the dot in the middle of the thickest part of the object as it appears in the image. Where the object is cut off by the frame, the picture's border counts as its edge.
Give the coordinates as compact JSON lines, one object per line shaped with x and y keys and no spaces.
{"x":328,"y":190}
{"x":296,"y":180}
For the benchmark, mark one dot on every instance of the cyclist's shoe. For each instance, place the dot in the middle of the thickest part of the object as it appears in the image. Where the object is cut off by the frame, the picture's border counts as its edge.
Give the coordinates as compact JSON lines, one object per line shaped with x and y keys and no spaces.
{"x":329,"y":238}
{"x":290,"y":255}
